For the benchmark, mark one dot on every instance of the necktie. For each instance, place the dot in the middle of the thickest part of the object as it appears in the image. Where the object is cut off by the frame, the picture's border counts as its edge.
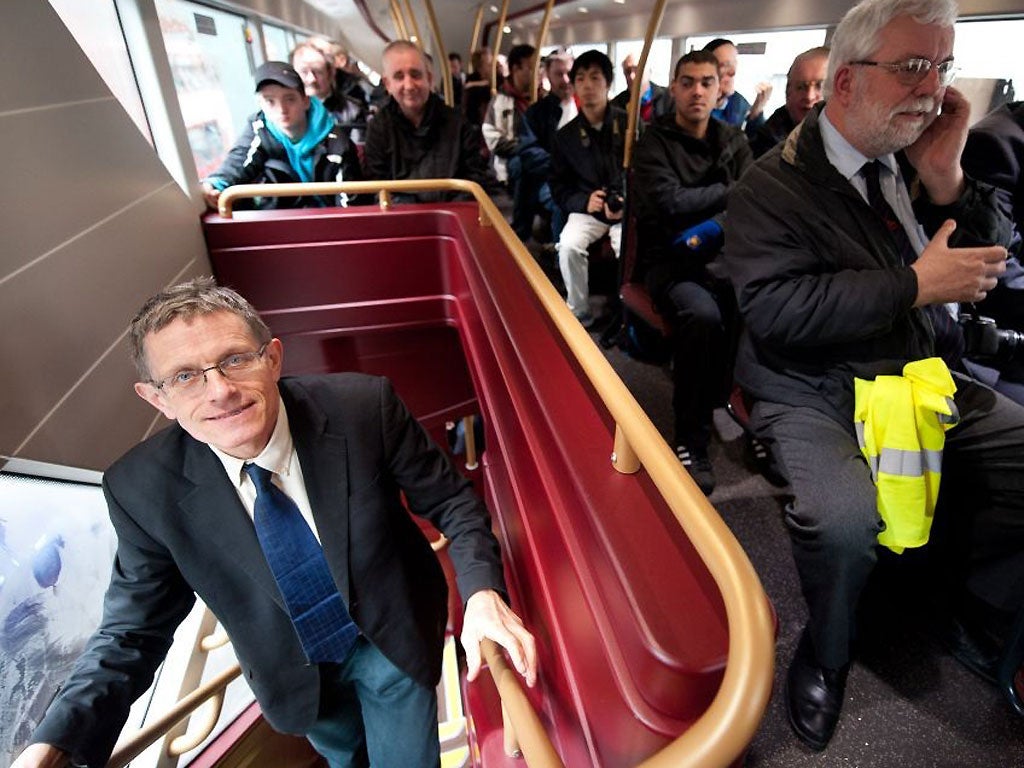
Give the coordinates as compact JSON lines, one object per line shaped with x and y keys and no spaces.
{"x":318,"y":613}
{"x":949,"y":340}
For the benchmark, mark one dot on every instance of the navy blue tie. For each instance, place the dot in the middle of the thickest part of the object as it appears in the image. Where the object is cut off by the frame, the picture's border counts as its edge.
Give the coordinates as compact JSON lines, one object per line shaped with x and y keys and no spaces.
{"x":949,"y":339}
{"x":318,"y":613}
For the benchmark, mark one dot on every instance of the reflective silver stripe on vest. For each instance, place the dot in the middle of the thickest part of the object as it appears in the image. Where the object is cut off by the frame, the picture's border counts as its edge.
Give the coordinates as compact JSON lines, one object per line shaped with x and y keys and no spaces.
{"x":898,"y":462}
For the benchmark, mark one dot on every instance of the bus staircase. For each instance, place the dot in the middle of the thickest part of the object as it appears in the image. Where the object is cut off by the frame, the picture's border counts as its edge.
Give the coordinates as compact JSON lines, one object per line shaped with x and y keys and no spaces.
{"x":654,"y":635}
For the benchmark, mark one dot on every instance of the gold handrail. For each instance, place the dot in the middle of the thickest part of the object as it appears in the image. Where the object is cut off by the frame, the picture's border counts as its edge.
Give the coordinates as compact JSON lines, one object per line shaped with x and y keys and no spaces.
{"x":442,"y":54}
{"x":477,"y":22}
{"x":413,"y":25}
{"x":399,"y":21}
{"x":725,"y":729}
{"x":131,"y":748}
{"x":542,"y":34}
{"x":499,"y":33}
{"x":634,"y":92}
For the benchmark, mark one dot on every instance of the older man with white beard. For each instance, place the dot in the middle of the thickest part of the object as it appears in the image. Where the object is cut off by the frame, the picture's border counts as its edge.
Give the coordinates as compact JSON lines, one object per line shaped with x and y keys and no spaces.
{"x":844,"y":244}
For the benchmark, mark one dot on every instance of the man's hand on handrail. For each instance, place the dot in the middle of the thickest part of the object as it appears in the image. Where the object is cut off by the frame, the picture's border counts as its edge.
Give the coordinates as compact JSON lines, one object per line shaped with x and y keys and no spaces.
{"x":41,"y":756}
{"x":487,"y":616}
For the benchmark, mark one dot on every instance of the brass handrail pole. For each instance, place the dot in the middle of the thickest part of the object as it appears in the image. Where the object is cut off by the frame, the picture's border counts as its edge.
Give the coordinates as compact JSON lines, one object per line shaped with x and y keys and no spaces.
{"x":446,"y":72}
{"x":398,"y":20}
{"x":477,"y":23}
{"x":634,"y":92}
{"x":542,"y":34}
{"x":413,"y":25}
{"x":497,"y":46}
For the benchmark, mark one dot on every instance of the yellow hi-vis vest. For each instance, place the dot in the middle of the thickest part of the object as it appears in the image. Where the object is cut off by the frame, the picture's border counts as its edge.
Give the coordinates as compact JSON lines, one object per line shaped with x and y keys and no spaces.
{"x":901,"y":424}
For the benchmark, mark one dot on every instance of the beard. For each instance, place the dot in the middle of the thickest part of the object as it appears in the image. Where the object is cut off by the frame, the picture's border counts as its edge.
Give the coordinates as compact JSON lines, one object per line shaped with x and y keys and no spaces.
{"x":882,"y":129}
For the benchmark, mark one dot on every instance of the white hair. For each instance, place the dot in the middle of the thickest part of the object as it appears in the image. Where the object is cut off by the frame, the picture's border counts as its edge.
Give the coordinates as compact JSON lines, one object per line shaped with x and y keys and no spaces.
{"x":856,"y":37}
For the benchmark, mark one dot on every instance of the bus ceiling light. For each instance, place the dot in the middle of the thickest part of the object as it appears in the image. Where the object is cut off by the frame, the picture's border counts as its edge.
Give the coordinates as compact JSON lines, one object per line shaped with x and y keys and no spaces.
{"x":494,"y":9}
{"x":507,"y":29}
{"x":582,"y":9}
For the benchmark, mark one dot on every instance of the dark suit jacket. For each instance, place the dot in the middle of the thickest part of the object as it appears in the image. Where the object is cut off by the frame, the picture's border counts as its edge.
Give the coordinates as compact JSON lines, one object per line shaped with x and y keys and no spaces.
{"x":183,"y":531}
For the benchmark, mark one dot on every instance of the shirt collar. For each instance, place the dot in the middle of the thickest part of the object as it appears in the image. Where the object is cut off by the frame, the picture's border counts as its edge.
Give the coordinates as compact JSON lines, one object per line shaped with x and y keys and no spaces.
{"x":276,"y":457}
{"x":846,"y":158}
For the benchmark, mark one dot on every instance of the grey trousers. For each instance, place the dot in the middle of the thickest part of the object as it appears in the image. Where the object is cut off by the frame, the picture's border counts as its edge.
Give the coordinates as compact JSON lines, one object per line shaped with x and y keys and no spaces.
{"x":834,"y":523}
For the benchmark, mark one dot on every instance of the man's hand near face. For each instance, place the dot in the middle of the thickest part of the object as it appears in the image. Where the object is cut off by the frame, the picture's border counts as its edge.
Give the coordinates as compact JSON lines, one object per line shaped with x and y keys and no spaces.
{"x":936,"y":154}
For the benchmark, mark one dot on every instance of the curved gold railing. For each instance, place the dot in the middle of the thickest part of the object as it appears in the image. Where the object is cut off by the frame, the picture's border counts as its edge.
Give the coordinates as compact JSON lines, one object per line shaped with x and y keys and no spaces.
{"x":131,"y":748}
{"x":725,"y":729}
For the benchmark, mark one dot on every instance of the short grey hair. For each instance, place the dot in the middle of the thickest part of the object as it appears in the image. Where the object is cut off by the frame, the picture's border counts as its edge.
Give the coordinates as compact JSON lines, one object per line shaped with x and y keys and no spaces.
{"x":200,"y":296}
{"x":856,"y":37}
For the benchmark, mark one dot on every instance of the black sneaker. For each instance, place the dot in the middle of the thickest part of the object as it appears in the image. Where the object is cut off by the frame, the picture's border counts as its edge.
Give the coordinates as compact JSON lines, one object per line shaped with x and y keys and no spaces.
{"x":698,"y":464}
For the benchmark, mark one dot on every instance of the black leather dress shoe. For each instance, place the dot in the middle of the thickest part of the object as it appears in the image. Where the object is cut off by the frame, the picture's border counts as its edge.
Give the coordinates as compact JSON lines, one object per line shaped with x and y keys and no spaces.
{"x":969,"y":644}
{"x":814,"y":696}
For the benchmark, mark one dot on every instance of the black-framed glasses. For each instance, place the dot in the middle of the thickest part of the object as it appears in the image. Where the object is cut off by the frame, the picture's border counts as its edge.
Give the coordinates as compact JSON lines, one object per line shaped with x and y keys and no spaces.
{"x":914,"y":70}
{"x":189,"y":383}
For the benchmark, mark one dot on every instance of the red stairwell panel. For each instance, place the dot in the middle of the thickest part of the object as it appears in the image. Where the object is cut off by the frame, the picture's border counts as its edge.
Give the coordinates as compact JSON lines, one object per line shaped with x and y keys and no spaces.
{"x":630,"y":627}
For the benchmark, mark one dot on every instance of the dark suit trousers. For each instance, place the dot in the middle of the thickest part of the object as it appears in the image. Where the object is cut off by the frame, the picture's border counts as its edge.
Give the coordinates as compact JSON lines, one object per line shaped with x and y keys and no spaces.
{"x":834,"y":523}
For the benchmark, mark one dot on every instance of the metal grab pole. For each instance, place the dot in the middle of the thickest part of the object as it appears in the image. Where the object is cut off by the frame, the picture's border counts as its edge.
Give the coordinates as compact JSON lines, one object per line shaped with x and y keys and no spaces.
{"x":497,"y":46}
{"x":446,"y":71}
{"x":542,"y":34}
{"x":413,"y":25}
{"x":399,"y":22}
{"x":634,"y":92}
{"x":477,"y":22}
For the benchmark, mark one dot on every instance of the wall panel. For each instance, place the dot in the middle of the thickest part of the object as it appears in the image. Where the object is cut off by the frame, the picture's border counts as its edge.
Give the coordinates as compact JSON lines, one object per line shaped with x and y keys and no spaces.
{"x":78,"y":258}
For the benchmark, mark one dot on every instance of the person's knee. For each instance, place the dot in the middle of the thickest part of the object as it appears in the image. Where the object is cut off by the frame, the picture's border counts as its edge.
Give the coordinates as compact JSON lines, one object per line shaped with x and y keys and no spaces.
{"x":837,"y":527}
{"x":694,"y":307}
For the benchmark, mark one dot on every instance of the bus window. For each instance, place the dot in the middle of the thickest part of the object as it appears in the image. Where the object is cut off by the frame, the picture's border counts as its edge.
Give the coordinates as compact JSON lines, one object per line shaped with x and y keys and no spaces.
{"x":211,"y":57}
{"x":97,"y":30}
{"x":986,"y":54}
{"x":659,"y":61}
{"x":277,"y":40}
{"x":765,"y":57}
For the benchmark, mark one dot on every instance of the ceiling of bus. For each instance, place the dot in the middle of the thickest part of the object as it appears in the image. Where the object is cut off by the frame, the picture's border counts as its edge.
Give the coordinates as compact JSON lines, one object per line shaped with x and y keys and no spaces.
{"x":588,"y":21}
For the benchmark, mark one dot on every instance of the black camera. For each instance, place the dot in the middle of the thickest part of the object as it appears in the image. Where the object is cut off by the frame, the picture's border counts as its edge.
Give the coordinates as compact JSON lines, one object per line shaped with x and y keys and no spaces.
{"x":613,"y":199}
{"x":985,"y":341}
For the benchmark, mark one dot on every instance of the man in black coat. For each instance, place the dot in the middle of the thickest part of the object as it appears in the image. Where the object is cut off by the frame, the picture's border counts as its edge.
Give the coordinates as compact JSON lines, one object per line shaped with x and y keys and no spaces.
{"x":684,"y":166}
{"x":845,"y":244}
{"x":344,"y":450}
{"x":417,"y":136}
{"x":804,"y":83}
{"x":995,"y":154}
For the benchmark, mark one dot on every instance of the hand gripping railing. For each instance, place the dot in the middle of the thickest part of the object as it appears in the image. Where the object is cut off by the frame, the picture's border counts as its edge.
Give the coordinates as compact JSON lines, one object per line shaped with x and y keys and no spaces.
{"x":725,"y":729}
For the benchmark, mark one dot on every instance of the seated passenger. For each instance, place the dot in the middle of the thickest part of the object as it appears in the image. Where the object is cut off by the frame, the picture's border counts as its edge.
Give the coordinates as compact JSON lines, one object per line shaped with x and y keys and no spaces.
{"x":348,"y":80}
{"x":683,"y":168}
{"x":416,"y":135}
{"x":458,"y":78}
{"x":844,"y":248}
{"x":476,"y":95}
{"x":502,"y":124}
{"x":317,"y":73}
{"x":655,"y":100}
{"x":517,"y":157}
{"x":586,"y":177}
{"x":995,"y":154}
{"x":732,"y":108}
{"x":293,"y":138}
{"x":803,"y":90}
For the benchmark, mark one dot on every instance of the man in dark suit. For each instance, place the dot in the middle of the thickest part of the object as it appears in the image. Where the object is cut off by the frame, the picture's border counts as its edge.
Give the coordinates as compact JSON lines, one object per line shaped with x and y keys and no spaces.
{"x":186,"y":507}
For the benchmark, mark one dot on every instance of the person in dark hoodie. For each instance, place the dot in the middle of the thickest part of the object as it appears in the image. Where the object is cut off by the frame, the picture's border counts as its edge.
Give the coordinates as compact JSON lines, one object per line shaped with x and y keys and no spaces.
{"x":417,"y":136}
{"x":683,"y":168}
{"x":293,"y":138}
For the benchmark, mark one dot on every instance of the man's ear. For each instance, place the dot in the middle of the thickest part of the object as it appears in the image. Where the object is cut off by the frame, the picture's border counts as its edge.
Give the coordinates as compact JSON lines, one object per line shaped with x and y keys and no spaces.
{"x":275,"y":357}
{"x":154,"y":397}
{"x":842,"y":85}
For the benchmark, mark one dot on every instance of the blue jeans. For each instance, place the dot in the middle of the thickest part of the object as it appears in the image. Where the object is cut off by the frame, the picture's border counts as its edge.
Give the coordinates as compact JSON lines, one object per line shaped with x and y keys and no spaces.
{"x":372,"y":712}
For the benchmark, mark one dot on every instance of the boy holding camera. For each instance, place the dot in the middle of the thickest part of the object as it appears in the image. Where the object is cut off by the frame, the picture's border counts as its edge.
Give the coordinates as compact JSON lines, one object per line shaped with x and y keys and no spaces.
{"x":586,"y":177}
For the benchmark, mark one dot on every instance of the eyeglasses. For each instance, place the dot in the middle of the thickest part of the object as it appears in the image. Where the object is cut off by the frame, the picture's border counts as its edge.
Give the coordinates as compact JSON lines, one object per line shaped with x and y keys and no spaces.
{"x":913,"y":71}
{"x":190,"y":383}
{"x":805,"y":86}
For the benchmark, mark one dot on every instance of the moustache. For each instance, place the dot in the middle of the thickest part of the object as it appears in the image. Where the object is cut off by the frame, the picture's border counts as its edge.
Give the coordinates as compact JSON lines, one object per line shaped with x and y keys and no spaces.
{"x":924,"y":104}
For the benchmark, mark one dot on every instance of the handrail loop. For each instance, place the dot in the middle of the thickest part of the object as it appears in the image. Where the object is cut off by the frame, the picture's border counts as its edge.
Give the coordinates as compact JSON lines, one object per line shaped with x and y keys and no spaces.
{"x":442,"y":54}
{"x":542,"y":35}
{"x":399,"y":21}
{"x":634,"y":92}
{"x":728,"y":725}
{"x":497,"y":46}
